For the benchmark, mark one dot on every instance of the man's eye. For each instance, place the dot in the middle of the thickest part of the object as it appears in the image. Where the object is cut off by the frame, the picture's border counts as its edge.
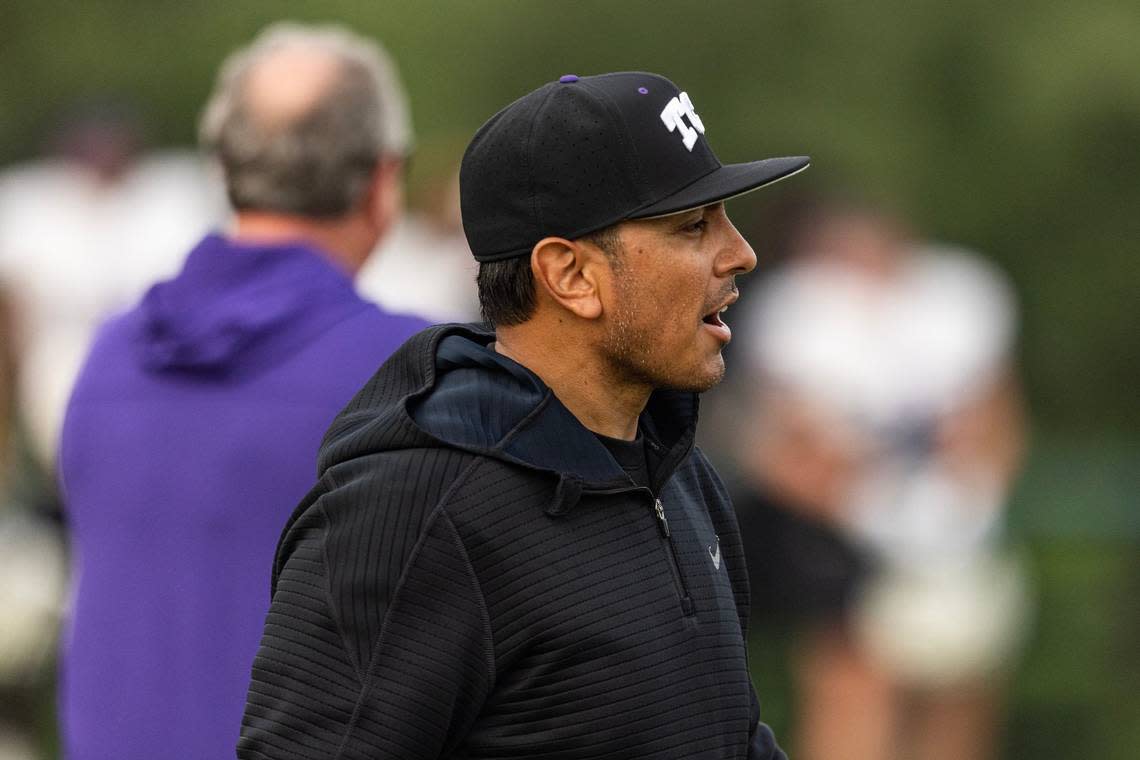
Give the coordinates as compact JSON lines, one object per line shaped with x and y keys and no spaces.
{"x":697,"y":226}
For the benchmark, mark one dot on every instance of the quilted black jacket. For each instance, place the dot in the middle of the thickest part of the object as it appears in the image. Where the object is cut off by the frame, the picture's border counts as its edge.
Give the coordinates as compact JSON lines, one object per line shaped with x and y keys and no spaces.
{"x":474,"y":576}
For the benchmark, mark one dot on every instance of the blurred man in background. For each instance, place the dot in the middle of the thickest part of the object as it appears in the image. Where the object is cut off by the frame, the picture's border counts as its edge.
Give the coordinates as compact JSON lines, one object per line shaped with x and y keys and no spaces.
{"x":885,"y":434}
{"x":193,"y":428}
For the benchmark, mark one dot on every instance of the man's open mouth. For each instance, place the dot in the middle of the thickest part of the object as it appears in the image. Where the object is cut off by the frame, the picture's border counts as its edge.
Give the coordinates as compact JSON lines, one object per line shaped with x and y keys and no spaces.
{"x":714,"y":317}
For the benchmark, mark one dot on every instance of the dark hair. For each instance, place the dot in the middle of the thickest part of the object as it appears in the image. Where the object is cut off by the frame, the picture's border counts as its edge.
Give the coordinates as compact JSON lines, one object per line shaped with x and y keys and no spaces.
{"x":506,"y":288}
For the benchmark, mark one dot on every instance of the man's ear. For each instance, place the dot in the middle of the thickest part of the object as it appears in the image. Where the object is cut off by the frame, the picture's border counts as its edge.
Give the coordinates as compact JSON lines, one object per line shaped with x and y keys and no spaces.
{"x":384,"y":200}
{"x":570,"y":272}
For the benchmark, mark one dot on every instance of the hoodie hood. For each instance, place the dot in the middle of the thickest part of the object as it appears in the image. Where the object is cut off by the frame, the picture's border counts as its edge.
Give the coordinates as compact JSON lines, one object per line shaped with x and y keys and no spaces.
{"x":235,"y":307}
{"x":447,"y":387}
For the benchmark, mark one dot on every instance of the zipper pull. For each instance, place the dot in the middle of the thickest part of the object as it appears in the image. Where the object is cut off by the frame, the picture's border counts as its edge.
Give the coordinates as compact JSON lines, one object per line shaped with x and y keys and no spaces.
{"x":659,"y":508}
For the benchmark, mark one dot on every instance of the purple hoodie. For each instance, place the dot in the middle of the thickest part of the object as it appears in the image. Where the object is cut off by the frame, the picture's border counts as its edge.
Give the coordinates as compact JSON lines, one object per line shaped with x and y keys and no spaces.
{"x":191,"y":435}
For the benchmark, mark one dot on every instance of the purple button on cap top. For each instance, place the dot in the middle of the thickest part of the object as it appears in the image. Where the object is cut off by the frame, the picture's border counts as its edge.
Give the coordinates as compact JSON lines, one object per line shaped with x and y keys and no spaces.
{"x":568,"y":78}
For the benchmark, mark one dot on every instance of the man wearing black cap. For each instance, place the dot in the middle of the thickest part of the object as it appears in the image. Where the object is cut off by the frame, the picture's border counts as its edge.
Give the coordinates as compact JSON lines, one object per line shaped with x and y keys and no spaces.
{"x":514,"y":549}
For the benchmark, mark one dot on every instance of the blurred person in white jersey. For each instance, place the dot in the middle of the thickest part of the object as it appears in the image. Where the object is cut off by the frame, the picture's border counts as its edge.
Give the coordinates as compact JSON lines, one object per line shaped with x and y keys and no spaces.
{"x":33,"y":569}
{"x":885,"y":432}
{"x":83,"y":232}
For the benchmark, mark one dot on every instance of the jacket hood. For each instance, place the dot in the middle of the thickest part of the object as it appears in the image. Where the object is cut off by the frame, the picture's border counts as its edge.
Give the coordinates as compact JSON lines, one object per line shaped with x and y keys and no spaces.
{"x":237,"y":306}
{"x":447,"y":387}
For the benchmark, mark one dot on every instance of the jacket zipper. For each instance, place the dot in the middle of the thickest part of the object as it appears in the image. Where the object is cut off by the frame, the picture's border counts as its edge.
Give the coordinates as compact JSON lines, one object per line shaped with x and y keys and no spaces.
{"x":671,"y":550}
{"x":682,"y":588}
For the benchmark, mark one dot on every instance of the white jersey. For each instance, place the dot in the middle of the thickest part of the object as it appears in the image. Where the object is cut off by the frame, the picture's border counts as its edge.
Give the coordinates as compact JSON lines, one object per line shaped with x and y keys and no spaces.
{"x":73,"y":250}
{"x":885,"y":360}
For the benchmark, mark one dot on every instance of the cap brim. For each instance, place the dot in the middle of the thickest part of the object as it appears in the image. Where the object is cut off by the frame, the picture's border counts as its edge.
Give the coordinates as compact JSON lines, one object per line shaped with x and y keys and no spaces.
{"x":724,"y":183}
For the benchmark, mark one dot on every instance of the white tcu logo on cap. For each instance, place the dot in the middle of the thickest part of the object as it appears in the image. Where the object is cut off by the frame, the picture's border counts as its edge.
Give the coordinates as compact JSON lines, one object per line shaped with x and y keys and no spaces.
{"x":674,"y":110}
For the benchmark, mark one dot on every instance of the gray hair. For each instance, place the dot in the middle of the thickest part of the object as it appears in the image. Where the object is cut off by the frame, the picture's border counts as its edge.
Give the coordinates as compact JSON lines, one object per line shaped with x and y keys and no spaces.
{"x":320,"y":163}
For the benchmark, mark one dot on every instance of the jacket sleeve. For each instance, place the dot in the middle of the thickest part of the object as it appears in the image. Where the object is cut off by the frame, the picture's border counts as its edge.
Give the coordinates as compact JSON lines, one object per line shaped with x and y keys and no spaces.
{"x":377,"y":643}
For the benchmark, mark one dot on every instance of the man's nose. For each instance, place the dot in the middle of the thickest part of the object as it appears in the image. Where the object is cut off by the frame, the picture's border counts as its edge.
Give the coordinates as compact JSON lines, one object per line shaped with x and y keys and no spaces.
{"x":737,"y":256}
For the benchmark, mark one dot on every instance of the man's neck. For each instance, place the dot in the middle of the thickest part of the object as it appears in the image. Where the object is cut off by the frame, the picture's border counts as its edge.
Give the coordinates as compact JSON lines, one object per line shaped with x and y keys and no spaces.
{"x":333,"y":238}
{"x":580,"y":379}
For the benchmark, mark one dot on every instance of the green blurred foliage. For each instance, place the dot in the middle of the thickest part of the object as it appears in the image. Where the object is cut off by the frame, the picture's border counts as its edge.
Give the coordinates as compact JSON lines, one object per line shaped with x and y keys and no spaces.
{"x":1075,"y":691}
{"x":1013,"y":128}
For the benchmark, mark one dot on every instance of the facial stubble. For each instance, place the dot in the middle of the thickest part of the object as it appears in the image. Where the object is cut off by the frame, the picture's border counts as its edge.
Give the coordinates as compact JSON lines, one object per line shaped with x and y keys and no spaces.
{"x":633,"y":351}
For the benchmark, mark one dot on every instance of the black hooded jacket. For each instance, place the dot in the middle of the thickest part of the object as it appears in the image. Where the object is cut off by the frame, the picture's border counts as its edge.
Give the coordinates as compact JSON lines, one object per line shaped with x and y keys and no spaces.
{"x":474,"y":576}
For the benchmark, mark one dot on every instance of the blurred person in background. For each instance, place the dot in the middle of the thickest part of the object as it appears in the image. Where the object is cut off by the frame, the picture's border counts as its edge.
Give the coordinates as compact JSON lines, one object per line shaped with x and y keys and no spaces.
{"x":194,"y":425}
{"x":33,"y":569}
{"x":83,"y":232}
{"x":885,"y":431}
{"x":428,"y":239}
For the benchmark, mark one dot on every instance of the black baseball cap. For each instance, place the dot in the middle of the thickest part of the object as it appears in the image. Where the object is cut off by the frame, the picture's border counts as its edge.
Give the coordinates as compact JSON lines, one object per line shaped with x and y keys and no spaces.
{"x":582,"y":153}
